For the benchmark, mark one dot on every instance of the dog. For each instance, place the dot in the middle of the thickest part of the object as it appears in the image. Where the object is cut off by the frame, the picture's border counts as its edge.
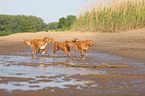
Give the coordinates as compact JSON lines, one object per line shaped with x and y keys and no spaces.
{"x":83,"y":46}
{"x":65,"y":46}
{"x":74,"y":40}
{"x":39,"y":44}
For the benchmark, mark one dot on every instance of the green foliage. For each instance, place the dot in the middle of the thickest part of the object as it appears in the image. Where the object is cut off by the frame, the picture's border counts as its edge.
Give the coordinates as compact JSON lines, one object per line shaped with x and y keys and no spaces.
{"x":62,"y":23}
{"x":52,"y":26}
{"x":20,"y":23}
{"x":114,"y":16}
{"x":60,"y":29}
{"x":3,"y":33}
{"x":71,"y":19}
{"x":65,"y":23}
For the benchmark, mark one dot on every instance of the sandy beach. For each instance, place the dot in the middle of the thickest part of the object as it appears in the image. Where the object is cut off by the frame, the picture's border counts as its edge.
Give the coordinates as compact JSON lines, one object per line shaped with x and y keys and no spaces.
{"x":22,"y":75}
{"x":127,"y":44}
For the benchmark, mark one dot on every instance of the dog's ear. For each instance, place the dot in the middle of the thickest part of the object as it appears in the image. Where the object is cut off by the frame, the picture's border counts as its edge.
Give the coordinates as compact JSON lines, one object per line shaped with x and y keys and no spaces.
{"x":64,"y":43}
{"x":87,"y":40}
{"x":46,"y":39}
{"x":74,"y":40}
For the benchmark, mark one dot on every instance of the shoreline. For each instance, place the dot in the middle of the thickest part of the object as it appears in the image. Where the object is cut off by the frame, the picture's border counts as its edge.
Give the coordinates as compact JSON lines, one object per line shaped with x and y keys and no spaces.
{"x":115,"y":75}
{"x":127,"y":44}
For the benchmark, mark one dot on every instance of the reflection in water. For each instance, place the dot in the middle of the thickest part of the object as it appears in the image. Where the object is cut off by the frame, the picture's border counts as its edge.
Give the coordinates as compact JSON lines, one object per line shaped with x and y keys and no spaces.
{"x":42,"y":69}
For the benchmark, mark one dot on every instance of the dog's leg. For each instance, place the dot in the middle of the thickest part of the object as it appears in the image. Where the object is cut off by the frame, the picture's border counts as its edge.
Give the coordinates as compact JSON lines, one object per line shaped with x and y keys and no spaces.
{"x":37,"y":51}
{"x":86,"y":52}
{"x":43,"y":51}
{"x":81,"y":52}
{"x":69,"y":51}
{"x":65,"y":49}
{"x":55,"y":49}
{"x":76,"y":49}
{"x":33,"y":48}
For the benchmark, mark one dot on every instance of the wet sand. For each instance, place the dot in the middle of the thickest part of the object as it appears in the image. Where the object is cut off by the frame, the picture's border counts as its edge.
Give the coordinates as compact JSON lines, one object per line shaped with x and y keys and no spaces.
{"x":127,"y":44}
{"x":125,"y":48}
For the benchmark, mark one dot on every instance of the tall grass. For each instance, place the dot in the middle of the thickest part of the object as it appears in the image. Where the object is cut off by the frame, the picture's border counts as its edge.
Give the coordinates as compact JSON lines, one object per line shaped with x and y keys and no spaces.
{"x":112,"y":16}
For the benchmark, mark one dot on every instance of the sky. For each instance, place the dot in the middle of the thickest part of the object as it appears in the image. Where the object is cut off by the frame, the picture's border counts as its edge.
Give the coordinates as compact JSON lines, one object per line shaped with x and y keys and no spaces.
{"x":48,"y":10}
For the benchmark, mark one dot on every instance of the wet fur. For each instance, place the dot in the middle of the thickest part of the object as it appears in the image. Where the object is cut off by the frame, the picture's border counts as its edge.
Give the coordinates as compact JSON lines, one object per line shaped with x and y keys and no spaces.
{"x":83,"y":46}
{"x":39,"y":44}
{"x":65,"y":46}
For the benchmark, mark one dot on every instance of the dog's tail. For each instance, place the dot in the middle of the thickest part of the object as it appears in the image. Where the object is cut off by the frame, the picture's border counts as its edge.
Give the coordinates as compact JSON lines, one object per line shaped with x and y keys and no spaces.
{"x":26,"y":42}
{"x":52,"y":41}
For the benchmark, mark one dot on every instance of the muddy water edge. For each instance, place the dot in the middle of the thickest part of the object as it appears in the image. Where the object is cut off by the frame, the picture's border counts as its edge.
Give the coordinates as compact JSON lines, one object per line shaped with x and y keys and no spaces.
{"x":20,"y":74}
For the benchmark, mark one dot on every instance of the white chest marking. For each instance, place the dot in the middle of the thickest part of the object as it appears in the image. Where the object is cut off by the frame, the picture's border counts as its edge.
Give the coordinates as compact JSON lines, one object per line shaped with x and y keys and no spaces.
{"x":86,"y":48}
{"x":43,"y":47}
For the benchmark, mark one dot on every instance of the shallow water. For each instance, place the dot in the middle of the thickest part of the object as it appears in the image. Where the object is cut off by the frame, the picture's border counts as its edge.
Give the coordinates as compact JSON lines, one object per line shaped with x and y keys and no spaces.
{"x":44,"y":70}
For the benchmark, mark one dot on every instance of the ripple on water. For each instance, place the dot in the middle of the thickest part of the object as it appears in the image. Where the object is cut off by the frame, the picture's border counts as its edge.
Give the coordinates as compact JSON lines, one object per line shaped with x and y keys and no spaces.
{"x":45,"y":72}
{"x":49,"y":76}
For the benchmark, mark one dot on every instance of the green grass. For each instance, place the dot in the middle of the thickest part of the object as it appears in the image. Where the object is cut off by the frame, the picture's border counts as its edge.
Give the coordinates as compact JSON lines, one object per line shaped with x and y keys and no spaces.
{"x":2,"y":33}
{"x":113,"y":16}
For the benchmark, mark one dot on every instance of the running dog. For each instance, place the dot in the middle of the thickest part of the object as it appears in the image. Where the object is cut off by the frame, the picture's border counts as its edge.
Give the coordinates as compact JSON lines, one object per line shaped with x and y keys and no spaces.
{"x":39,"y":44}
{"x":83,"y":46}
{"x":65,"y":46}
{"x":74,"y":40}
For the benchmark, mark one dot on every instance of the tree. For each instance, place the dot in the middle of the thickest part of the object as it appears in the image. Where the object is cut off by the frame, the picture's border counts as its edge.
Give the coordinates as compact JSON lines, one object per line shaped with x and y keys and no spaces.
{"x":52,"y":25}
{"x":71,"y":19}
{"x":26,"y":26}
{"x":21,"y":23}
{"x":66,"y":22}
{"x":62,"y":23}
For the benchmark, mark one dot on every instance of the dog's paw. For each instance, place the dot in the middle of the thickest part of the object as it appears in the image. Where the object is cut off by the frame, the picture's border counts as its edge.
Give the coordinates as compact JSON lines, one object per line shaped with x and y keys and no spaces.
{"x":42,"y":52}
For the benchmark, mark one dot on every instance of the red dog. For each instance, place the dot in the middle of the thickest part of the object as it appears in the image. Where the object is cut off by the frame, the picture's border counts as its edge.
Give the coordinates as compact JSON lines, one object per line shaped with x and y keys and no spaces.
{"x":65,"y":46}
{"x":39,"y":44}
{"x":83,"y":45}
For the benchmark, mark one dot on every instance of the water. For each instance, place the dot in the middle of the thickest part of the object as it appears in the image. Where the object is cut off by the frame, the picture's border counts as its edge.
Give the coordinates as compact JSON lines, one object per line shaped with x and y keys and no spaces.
{"x":26,"y":73}
{"x":41,"y":69}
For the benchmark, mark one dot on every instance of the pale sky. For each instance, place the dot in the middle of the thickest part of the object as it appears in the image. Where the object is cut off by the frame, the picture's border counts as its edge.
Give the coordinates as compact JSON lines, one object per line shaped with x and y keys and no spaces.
{"x":48,"y":10}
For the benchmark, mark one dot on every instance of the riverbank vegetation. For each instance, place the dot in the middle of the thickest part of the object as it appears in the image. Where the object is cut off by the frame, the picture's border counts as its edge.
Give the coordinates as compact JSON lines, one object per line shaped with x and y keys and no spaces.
{"x":20,"y":23}
{"x":112,"y":16}
{"x":105,"y":16}
{"x":10,"y":24}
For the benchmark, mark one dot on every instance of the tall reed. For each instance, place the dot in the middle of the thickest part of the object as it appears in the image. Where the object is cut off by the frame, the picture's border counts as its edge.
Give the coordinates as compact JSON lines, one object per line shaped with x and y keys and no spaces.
{"x":112,"y":16}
